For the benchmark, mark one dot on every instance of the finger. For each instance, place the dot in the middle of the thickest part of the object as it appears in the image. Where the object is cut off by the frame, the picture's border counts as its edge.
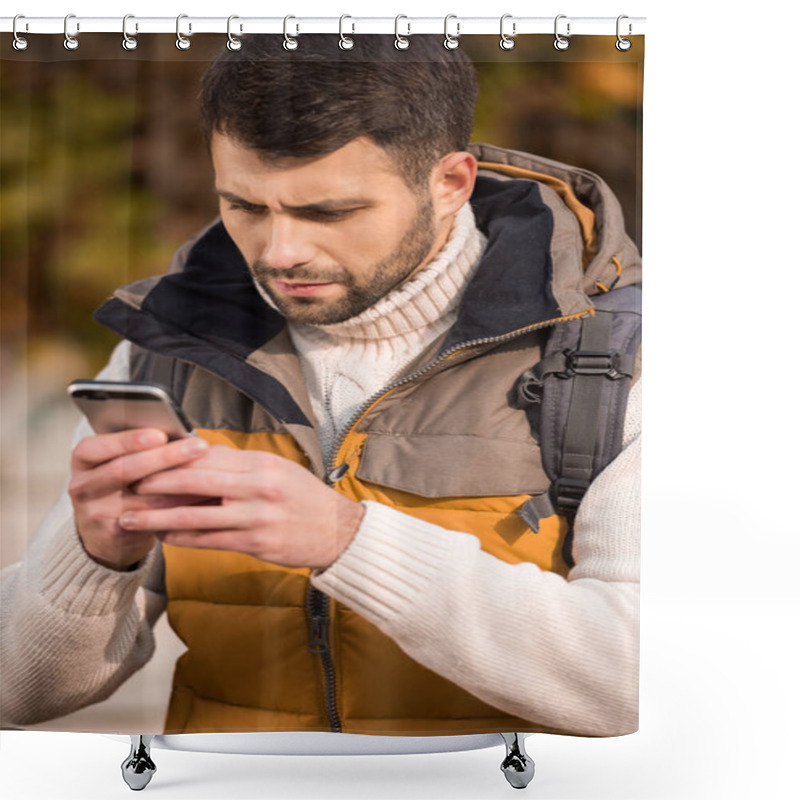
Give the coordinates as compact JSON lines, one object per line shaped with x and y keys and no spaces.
{"x":125,"y":470}
{"x":232,"y":460}
{"x":208,"y":540}
{"x":192,"y":518}
{"x":135,"y":502}
{"x":211,"y":483}
{"x":95,"y":450}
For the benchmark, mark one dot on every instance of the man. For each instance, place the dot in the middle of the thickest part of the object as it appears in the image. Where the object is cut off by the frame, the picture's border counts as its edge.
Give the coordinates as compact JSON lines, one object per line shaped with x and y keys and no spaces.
{"x":340,"y":549}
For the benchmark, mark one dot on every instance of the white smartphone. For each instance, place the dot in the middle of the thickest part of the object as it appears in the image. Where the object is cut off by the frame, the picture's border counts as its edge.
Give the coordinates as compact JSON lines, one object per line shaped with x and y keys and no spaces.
{"x":113,"y":406}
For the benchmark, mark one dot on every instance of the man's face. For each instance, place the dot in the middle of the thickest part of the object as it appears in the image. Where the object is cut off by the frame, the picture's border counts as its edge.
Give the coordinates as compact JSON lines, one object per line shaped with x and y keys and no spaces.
{"x":326,"y":238}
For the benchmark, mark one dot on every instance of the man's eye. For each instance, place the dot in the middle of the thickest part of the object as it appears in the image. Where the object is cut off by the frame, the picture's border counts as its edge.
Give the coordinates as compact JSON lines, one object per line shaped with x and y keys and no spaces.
{"x":248,"y":209}
{"x":329,"y":216}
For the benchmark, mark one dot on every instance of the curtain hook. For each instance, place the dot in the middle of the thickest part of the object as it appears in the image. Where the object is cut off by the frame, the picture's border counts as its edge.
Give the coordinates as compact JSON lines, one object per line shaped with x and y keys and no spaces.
{"x":289,"y":42}
{"x":507,"y":42}
{"x":345,"y":42}
{"x":561,"y":42}
{"x":70,"y":42}
{"x":234,"y":43}
{"x":451,"y":41}
{"x":19,"y":42}
{"x":401,"y":42}
{"x":182,"y":43}
{"x":623,"y":44}
{"x":129,"y":42}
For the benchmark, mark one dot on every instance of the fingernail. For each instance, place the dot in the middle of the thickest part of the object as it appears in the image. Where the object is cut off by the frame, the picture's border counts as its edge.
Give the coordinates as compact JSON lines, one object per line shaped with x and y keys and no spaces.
{"x":128,"y":520}
{"x":150,"y":438}
{"x":194,"y":446}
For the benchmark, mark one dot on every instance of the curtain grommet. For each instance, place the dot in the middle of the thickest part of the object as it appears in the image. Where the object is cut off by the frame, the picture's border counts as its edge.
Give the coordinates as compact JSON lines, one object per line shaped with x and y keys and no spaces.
{"x":20,"y":43}
{"x":234,"y":43}
{"x":561,"y":42}
{"x":451,"y":40}
{"x":346,"y":42}
{"x":70,"y":41}
{"x":290,"y":42}
{"x":129,"y":42}
{"x":623,"y":45}
{"x":182,"y":42}
{"x":507,"y":41}
{"x":401,"y":42}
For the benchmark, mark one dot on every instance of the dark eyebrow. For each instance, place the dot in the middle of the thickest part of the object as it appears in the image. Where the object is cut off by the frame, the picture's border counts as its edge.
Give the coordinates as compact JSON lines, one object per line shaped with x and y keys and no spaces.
{"x":326,"y":205}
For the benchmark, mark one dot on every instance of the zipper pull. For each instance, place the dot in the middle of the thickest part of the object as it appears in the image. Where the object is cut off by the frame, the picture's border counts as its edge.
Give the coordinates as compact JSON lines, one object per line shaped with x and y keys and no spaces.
{"x":318,"y":634}
{"x":335,"y":475}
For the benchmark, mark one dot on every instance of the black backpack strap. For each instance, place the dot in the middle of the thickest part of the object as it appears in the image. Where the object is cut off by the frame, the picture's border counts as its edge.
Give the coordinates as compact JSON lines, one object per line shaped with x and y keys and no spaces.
{"x":581,"y":386}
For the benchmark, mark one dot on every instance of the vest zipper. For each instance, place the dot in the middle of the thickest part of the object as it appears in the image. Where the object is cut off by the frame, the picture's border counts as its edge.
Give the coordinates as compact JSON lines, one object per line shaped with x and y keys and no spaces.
{"x":318,"y":613}
{"x":340,"y":440}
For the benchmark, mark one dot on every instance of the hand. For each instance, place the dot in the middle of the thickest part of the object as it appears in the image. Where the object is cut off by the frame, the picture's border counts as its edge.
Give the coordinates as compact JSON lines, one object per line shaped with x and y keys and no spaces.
{"x":270,"y":508}
{"x":102,"y":471}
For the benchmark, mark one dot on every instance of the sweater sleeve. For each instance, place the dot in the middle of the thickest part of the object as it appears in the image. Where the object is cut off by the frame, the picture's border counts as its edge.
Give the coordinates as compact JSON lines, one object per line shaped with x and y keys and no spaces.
{"x":72,"y":630}
{"x":561,"y":651}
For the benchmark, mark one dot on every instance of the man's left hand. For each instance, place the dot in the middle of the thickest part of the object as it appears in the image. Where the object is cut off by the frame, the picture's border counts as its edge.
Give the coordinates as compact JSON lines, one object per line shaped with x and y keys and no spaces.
{"x":269,"y":507}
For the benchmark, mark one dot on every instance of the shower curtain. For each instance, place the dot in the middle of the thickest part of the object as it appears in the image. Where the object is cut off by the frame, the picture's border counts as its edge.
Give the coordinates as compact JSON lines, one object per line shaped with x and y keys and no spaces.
{"x":460,"y":594}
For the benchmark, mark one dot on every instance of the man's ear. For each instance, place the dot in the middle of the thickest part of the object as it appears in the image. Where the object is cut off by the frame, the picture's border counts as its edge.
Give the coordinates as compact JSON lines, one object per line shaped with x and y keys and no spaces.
{"x":452,"y":182}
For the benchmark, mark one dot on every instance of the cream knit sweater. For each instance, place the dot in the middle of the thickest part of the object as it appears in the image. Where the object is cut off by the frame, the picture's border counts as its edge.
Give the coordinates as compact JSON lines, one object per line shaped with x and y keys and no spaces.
{"x":561,"y":651}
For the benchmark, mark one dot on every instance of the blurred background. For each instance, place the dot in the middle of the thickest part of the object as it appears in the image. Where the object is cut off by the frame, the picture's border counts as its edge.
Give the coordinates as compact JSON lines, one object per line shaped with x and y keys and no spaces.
{"x":103,"y":173}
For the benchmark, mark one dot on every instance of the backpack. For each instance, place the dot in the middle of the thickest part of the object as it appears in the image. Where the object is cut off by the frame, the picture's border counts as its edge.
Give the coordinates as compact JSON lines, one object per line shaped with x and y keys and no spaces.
{"x":576,"y":398}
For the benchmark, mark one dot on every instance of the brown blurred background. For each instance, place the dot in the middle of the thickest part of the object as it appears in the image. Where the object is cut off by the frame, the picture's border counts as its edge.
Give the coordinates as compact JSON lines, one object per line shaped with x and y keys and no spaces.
{"x":103,"y":173}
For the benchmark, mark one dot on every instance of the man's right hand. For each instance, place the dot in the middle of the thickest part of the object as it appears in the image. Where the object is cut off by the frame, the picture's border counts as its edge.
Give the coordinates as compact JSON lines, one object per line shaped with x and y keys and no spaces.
{"x":103,"y":469}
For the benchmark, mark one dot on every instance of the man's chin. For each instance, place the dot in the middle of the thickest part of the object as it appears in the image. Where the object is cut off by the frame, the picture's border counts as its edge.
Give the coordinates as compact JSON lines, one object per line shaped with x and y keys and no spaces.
{"x":312,"y":310}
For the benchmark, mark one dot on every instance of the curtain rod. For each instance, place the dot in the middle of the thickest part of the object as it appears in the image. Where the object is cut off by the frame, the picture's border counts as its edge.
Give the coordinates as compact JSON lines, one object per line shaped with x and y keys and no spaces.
{"x":508,"y":26}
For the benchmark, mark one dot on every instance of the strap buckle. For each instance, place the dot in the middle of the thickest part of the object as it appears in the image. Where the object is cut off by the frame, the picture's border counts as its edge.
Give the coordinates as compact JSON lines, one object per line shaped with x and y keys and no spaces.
{"x":592,"y":362}
{"x":569,"y":492}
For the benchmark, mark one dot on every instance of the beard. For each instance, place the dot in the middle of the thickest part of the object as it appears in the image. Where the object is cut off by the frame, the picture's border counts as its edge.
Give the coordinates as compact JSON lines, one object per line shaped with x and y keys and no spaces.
{"x":359,"y":295}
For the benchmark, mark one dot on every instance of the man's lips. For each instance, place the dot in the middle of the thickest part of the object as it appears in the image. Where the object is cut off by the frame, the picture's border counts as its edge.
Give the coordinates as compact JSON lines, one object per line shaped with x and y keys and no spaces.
{"x":300,"y":289}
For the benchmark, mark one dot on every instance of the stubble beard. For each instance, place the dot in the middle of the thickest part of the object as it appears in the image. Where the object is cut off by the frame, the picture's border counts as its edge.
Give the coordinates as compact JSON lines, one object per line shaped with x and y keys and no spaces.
{"x":390,"y":272}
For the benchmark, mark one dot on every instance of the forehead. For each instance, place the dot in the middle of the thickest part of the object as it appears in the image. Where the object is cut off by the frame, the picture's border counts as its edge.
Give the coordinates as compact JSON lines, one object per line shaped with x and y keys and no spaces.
{"x":360,"y":166}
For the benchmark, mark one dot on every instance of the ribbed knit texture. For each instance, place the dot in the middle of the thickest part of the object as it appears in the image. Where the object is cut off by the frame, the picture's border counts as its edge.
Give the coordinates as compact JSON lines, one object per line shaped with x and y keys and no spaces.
{"x":344,"y":364}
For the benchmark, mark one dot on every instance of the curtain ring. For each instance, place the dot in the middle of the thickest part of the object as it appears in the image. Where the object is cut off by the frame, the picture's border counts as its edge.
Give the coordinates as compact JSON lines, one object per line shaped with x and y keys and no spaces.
{"x":19,"y":42}
{"x":70,"y":42}
{"x":345,"y":42}
{"x":182,"y":43}
{"x":289,"y":42}
{"x":507,"y":42}
{"x":401,"y":42}
{"x":561,"y":42}
{"x":234,"y":43}
{"x":623,"y":44}
{"x":129,"y":42}
{"x":450,"y":41}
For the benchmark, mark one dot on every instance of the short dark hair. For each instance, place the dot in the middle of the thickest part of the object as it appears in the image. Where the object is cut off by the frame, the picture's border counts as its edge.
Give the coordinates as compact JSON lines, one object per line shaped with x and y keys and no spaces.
{"x":418,"y":104}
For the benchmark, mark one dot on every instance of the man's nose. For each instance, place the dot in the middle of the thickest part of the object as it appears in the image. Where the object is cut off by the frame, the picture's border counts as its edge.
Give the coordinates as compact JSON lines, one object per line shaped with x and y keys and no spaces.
{"x":287,"y":244}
